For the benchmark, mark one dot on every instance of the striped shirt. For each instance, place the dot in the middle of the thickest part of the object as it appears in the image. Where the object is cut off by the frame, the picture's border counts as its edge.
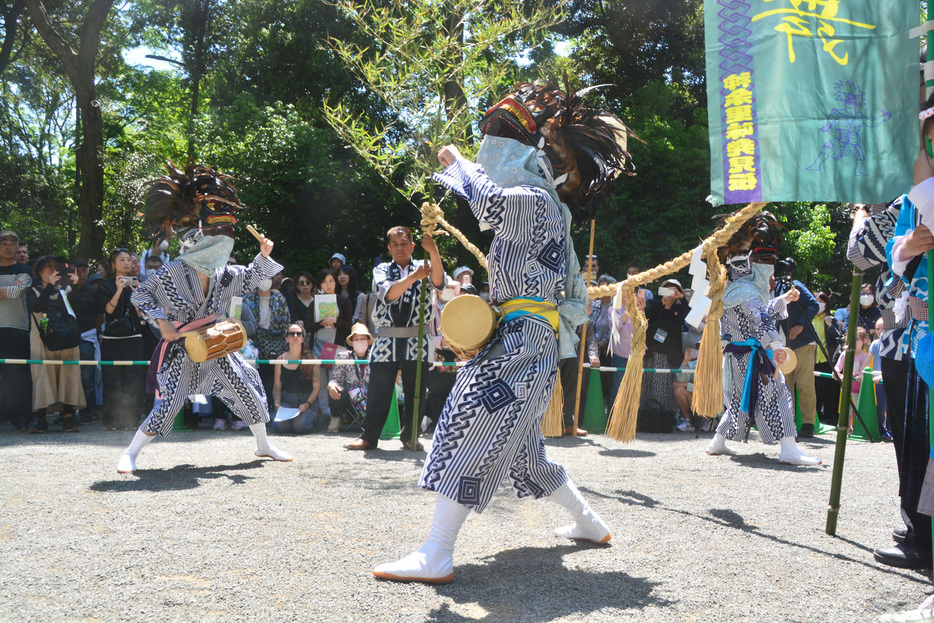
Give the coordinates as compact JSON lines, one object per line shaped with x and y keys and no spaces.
{"x":16,"y":278}
{"x":400,"y":313}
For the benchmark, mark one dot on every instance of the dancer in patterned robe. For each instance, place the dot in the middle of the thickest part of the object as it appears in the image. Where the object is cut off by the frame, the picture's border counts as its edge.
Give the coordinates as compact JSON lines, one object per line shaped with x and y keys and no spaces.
{"x":191,"y":292}
{"x":490,"y":428}
{"x":748,"y":327}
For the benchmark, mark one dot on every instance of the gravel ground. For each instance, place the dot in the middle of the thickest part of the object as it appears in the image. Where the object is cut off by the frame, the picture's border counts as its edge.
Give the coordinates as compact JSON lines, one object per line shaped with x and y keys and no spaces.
{"x":205,"y":532}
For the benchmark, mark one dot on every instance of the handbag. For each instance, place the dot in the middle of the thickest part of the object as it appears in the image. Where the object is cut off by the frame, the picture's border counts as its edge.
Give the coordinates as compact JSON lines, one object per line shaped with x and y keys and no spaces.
{"x":329,"y":351}
{"x":122,"y":326}
{"x":62,"y":331}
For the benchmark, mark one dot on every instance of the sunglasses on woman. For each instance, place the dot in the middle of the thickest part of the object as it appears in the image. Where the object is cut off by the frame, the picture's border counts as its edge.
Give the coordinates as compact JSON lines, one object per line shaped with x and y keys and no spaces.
{"x":295,"y":334}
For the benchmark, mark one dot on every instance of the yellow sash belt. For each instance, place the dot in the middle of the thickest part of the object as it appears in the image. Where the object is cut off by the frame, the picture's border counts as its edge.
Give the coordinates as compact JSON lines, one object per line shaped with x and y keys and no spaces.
{"x":521,"y":306}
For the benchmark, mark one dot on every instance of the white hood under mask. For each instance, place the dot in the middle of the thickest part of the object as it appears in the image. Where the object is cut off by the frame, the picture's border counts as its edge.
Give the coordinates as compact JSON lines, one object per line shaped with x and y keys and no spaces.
{"x":205,"y":253}
{"x":509,"y":163}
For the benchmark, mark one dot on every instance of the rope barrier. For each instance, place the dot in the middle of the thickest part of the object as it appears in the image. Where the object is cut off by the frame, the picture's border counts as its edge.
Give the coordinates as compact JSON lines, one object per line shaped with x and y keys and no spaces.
{"x":338,"y":362}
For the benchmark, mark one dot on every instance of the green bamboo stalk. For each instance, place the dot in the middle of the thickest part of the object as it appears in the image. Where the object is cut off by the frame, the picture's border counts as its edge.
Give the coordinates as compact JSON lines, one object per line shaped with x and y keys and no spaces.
{"x":416,"y":407}
{"x":843,"y":420}
{"x":929,"y":84}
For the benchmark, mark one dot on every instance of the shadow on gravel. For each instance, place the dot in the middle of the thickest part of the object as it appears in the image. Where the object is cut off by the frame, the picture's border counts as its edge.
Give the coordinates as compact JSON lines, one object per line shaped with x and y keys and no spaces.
{"x":533,"y":584}
{"x":761,"y":461}
{"x":731,"y":519}
{"x":177,"y":478}
{"x":626,"y":453}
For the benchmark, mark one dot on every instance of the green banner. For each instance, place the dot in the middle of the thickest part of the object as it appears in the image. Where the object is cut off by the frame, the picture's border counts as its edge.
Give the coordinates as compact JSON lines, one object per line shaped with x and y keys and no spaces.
{"x":811,"y":100}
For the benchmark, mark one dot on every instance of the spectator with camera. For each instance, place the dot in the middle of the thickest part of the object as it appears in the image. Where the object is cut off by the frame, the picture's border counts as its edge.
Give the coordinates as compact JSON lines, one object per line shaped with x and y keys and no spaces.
{"x":53,"y":336}
{"x":800,"y":338}
{"x":121,"y":340}
{"x":15,"y":379}
{"x":665,"y":316}
{"x":83,"y":301}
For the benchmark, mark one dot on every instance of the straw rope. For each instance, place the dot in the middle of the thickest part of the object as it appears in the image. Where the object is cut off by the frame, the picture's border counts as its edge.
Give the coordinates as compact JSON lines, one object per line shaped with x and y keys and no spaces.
{"x":622,"y":422}
{"x":553,"y":420}
{"x":433,"y":217}
{"x":707,"y":400}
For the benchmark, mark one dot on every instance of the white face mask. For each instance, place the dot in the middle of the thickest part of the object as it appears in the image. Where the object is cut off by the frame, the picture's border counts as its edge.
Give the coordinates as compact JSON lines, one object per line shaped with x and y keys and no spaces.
{"x":866,"y":299}
{"x":360,"y":346}
{"x":821,"y":307}
{"x":664,"y":291}
{"x":265,"y":285}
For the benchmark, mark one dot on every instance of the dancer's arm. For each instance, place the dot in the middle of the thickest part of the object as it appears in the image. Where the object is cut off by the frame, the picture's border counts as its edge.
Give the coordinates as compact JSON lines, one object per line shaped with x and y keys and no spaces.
{"x":509,"y":212}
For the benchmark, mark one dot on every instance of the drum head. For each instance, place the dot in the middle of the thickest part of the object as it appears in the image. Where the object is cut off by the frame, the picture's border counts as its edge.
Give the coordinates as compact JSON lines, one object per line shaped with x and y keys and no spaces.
{"x":791,"y":360}
{"x":467,"y":322}
{"x":197,"y":349}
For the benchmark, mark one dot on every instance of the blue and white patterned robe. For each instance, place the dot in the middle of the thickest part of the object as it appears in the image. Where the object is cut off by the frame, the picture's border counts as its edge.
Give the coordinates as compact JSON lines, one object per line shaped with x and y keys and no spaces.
{"x":490,"y":427}
{"x":866,"y":249}
{"x":402,"y":312}
{"x":174,"y":293}
{"x":774,"y":408}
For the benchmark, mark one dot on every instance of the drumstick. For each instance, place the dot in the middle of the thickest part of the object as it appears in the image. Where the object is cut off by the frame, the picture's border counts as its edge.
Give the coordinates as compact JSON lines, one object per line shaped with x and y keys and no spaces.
{"x":255,"y":233}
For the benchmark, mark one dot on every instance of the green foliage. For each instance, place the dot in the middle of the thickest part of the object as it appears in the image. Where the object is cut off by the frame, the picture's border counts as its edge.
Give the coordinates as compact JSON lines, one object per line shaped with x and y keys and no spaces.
{"x":810,"y":241}
{"x":36,"y":205}
{"x":429,"y":62}
{"x":303,"y":188}
{"x":660,"y":212}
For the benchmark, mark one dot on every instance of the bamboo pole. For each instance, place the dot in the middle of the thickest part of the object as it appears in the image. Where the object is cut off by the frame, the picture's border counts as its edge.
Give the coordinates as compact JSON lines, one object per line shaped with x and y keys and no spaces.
{"x":416,"y":406}
{"x":929,"y":88}
{"x":583,"y":342}
{"x":843,"y":419}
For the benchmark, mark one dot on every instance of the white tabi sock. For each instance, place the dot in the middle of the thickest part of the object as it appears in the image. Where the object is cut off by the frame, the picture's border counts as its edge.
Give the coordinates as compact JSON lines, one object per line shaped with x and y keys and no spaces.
{"x":791,"y":454}
{"x":434,"y":561}
{"x":587,"y":524}
{"x":718,"y":445}
{"x":263,"y":447}
{"x":127,"y":462}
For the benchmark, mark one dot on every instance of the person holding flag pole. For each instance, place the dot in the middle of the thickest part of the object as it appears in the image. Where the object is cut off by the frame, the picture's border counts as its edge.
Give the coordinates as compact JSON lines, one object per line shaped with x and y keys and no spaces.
{"x":911,"y":258}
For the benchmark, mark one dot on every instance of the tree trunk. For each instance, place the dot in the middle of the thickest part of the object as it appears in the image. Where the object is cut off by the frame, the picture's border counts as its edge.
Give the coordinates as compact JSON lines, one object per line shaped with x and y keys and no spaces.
{"x":80,"y":66}
{"x":454,"y":96}
{"x":11,"y":24}
{"x":90,"y":166}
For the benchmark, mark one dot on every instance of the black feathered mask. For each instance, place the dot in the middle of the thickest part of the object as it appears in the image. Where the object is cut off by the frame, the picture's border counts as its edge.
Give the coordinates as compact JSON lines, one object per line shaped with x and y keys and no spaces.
{"x":586,"y":147}
{"x":759,"y":238}
{"x":199,"y":196}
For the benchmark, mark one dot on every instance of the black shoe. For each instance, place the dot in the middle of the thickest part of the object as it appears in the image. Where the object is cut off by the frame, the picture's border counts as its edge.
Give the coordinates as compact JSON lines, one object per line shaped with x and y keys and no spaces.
{"x":904,"y":556}
{"x":69,"y":424}
{"x":41,"y":425}
{"x":900,"y":534}
{"x":806,"y":432}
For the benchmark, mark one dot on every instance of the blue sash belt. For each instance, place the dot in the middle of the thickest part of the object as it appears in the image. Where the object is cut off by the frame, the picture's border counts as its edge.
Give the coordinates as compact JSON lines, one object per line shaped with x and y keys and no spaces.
{"x":759,"y":363}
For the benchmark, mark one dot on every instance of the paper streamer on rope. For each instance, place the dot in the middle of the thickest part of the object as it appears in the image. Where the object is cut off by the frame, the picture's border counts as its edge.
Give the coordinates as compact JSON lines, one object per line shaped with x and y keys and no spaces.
{"x":622,"y":423}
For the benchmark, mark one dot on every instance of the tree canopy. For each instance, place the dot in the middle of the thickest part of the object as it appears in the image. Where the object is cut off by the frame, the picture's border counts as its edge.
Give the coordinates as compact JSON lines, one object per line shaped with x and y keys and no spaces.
{"x":285,"y":95}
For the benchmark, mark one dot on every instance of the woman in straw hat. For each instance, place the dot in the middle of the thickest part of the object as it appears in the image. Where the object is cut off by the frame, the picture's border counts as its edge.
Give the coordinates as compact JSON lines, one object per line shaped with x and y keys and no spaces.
{"x":347,"y":387}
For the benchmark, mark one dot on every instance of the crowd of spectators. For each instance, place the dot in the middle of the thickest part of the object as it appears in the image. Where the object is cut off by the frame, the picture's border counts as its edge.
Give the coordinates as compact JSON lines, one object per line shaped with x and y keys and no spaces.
{"x":326,"y":314}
